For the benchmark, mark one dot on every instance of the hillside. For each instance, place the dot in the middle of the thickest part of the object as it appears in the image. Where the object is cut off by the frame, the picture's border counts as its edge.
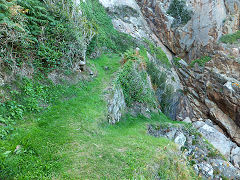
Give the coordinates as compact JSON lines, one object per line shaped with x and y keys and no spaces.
{"x":99,"y":89}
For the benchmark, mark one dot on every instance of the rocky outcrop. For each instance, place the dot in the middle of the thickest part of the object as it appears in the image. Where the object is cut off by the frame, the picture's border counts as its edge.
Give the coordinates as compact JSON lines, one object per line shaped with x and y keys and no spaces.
{"x":209,"y":20}
{"x":116,"y":104}
{"x":217,"y":138}
{"x":128,"y":18}
{"x":210,"y":94}
{"x":205,"y":160}
{"x":214,"y":93}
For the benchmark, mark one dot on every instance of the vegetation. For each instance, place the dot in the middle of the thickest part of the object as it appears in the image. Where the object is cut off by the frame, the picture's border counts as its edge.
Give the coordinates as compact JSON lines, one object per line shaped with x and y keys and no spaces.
{"x":60,"y":131}
{"x":176,"y":62}
{"x":40,"y":37}
{"x":231,"y":38}
{"x":107,"y":36}
{"x":54,"y":35}
{"x":201,"y":62}
{"x":49,"y":36}
{"x":163,"y":91}
{"x":72,"y":140}
{"x":179,"y":11}
{"x":158,"y":53}
{"x":133,"y":80}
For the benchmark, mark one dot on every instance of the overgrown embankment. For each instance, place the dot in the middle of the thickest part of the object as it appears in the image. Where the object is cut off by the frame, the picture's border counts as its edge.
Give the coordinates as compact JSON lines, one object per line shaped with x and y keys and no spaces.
{"x":43,"y":46}
{"x":72,"y":140}
{"x":51,"y":129}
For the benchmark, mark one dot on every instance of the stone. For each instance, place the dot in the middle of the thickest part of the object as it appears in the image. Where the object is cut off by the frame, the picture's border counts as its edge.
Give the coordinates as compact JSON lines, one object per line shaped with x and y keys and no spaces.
{"x":198,"y":124}
{"x":82,"y":63}
{"x":209,"y":21}
{"x":187,"y":120}
{"x":171,"y":134}
{"x":221,"y":118}
{"x":205,"y":169}
{"x":106,"y":68}
{"x":198,"y":150}
{"x":18,"y":149}
{"x":235,"y":157}
{"x":217,"y":139}
{"x":235,"y":52}
{"x":226,"y":169}
{"x":180,"y":139}
{"x":116,"y":104}
{"x":182,"y":62}
{"x":91,"y":73}
{"x":209,"y":122}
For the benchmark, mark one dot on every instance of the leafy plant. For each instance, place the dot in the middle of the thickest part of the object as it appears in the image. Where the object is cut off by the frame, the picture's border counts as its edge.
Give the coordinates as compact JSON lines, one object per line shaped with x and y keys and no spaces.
{"x":6,"y":127}
{"x":231,"y":38}
{"x":176,"y":62}
{"x":201,"y":62}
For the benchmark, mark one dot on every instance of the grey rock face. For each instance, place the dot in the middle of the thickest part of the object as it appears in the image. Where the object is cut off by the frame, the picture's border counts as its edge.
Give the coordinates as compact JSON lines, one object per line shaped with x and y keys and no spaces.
{"x":209,"y":20}
{"x":226,"y":169}
{"x":206,"y":170}
{"x":180,"y":139}
{"x":116,"y":104}
{"x":235,"y":157}
{"x":217,"y":139}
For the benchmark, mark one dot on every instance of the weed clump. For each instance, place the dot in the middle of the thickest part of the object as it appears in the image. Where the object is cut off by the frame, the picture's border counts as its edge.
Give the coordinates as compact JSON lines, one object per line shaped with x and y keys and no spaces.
{"x":201,"y":62}
{"x":231,"y":38}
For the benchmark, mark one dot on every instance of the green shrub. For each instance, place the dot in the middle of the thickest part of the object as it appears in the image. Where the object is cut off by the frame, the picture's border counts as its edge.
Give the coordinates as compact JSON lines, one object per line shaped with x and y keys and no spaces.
{"x":6,"y":127}
{"x":201,"y":62}
{"x":176,"y":62}
{"x":50,"y":35}
{"x":133,"y":80}
{"x":30,"y":95}
{"x":231,"y":38}
{"x":179,"y":11}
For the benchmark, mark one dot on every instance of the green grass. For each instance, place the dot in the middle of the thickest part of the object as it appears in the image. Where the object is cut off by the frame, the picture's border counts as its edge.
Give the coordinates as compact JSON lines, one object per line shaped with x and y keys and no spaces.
{"x":231,"y":38}
{"x":72,"y":140}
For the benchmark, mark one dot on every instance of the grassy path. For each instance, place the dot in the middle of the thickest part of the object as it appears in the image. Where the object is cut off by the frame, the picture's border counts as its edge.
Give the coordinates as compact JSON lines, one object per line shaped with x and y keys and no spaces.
{"x":72,"y":140}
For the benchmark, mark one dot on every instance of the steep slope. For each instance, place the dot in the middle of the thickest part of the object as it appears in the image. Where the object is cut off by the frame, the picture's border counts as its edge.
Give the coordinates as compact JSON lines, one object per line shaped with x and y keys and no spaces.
{"x":211,"y":93}
{"x":196,"y":35}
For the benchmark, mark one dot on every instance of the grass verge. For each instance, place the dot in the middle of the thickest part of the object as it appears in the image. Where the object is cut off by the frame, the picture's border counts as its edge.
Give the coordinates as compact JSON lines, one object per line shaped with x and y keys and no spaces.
{"x":72,"y":140}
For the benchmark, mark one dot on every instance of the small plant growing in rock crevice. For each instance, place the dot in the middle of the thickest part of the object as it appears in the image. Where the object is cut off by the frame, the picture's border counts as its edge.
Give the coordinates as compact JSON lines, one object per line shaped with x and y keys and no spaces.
{"x":201,"y":61}
{"x":158,"y":53}
{"x":179,"y":11}
{"x":231,"y":38}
